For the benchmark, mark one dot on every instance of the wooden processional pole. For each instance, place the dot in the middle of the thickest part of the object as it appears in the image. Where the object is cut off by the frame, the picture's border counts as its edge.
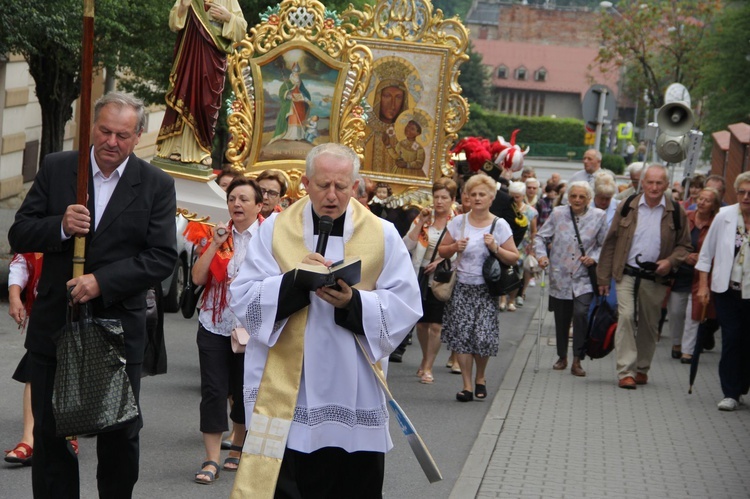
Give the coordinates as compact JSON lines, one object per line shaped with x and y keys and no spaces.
{"x":84,"y":128}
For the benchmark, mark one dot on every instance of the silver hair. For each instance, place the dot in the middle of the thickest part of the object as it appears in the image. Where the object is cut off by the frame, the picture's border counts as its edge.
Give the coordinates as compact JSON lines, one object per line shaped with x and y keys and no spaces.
{"x":597,"y":153}
{"x":741,"y":179}
{"x":517,"y":188}
{"x":583,"y":185}
{"x":533,"y":180}
{"x":655,"y":165}
{"x":635,"y":168}
{"x":121,"y":100}
{"x":334,"y":149}
{"x":362,"y":186}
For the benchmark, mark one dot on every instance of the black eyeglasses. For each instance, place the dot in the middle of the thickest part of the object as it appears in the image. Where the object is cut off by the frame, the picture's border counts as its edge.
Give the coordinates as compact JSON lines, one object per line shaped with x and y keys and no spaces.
{"x":270,"y":194}
{"x":741,"y":193}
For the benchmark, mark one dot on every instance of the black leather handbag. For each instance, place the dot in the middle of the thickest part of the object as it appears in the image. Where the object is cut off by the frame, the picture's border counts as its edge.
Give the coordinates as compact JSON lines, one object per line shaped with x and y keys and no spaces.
{"x":501,"y":279}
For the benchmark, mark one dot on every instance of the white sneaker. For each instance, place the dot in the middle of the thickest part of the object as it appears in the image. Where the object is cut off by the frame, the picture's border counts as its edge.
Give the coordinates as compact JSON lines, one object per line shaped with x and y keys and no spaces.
{"x":519,"y":301}
{"x":728,"y":404}
{"x":532,"y":282}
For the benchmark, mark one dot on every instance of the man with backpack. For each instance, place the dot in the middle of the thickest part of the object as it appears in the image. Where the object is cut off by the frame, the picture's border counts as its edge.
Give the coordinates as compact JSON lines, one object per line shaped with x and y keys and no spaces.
{"x":649,"y":238}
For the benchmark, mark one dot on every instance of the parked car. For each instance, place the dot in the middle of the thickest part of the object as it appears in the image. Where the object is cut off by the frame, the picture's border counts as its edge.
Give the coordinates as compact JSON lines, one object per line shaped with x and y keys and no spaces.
{"x":174,"y":286}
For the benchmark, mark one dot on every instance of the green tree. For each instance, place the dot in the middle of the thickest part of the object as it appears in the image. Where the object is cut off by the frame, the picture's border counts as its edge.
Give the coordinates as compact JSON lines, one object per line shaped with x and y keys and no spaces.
{"x":657,"y":42}
{"x":474,"y":79}
{"x":452,"y":8}
{"x":725,"y":76}
{"x":132,"y":40}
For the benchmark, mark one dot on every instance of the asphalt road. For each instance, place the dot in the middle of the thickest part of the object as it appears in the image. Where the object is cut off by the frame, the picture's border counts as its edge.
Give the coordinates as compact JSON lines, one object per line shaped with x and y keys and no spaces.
{"x":171,"y":445}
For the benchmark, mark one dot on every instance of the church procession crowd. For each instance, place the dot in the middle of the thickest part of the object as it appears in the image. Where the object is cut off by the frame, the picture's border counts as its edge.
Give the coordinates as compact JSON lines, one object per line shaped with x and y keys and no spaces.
{"x":293,"y":414}
{"x":292,"y":372}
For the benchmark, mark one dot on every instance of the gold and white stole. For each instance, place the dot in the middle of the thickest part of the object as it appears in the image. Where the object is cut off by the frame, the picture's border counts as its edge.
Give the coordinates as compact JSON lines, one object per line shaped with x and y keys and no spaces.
{"x":279,"y":386}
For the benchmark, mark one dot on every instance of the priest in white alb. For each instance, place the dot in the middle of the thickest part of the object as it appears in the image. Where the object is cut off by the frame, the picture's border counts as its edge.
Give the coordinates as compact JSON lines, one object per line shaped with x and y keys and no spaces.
{"x":317,"y":418}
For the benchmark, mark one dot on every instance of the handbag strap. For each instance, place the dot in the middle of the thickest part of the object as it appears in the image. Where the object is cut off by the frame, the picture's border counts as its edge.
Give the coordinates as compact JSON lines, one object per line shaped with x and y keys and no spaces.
{"x":434,"y":252}
{"x":578,"y":236}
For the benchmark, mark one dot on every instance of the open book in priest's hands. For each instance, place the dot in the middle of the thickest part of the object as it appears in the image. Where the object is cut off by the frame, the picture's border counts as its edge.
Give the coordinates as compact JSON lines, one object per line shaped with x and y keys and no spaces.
{"x":311,"y":277}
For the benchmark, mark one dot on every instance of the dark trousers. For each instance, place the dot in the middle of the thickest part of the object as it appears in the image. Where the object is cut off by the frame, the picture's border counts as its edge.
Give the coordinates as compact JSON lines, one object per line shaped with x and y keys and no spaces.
{"x":734,"y":367}
{"x":331,"y":473}
{"x":575,"y":311}
{"x":222,"y":373}
{"x":55,"y":467}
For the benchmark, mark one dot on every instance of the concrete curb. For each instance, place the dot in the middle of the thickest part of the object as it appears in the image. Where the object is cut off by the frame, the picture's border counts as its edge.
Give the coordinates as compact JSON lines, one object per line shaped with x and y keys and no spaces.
{"x":468,"y":482}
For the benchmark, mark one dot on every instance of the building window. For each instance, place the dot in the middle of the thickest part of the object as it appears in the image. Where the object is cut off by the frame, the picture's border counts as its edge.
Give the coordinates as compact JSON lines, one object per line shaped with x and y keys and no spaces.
{"x":502,"y":72}
{"x":541,"y":75}
{"x":521,"y":73}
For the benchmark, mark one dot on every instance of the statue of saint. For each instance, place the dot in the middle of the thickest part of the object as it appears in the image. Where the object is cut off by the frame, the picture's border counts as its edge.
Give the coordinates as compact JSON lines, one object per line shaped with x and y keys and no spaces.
{"x":207,"y":31}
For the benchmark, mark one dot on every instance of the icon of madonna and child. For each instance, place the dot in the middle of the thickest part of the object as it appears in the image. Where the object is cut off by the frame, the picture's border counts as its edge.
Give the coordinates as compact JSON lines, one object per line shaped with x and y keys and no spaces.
{"x":397,"y":131}
{"x":298,"y":94}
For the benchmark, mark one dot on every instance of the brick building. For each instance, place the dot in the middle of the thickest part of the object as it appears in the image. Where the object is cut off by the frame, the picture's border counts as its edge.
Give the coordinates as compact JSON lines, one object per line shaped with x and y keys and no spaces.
{"x":540,"y":57}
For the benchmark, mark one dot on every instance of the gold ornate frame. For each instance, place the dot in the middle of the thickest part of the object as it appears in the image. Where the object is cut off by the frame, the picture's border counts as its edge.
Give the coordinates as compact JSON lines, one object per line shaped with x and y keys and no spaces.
{"x":302,"y":25}
{"x":412,"y":31}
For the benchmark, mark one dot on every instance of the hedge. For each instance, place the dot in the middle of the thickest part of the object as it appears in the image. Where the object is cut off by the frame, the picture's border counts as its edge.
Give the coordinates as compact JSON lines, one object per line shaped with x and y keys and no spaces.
{"x":566,"y":133}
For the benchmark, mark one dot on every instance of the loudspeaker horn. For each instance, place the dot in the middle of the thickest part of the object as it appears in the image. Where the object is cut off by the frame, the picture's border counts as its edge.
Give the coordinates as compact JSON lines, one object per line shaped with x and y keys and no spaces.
{"x":675,"y":118}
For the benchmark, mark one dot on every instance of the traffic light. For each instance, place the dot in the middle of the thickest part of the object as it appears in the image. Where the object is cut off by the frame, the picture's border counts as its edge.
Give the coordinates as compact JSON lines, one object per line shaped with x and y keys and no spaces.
{"x":675,"y":121}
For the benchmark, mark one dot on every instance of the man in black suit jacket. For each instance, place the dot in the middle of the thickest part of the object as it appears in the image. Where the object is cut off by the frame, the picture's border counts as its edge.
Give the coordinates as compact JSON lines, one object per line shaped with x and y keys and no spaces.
{"x":129,"y":226}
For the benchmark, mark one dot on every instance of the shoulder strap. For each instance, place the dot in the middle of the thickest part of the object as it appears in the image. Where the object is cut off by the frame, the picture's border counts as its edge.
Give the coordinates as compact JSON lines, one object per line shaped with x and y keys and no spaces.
{"x":626,"y":205}
{"x":676,"y":217}
{"x":434,"y":252}
{"x":578,"y":236}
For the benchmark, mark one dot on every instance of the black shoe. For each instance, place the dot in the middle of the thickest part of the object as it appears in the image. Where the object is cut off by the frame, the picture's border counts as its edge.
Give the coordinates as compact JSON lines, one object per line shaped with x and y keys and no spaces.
{"x":676,"y":354}
{"x":396,"y":357}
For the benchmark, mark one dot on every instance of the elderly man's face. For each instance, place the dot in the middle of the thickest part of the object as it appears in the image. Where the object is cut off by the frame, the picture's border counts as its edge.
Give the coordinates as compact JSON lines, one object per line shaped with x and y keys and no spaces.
{"x":331,"y":186}
{"x":391,"y":104}
{"x":654,"y":184}
{"x":590,"y":162}
{"x":114,"y":136}
{"x":531,"y":190}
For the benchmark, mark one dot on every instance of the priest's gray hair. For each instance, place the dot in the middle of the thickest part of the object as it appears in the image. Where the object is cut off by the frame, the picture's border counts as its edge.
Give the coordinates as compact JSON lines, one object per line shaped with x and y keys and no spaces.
{"x":334,"y":149}
{"x":120,"y":100}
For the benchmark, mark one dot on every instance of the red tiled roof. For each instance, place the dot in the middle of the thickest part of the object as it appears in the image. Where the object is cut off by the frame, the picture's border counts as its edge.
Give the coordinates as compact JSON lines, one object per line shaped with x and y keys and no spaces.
{"x":567,"y":67}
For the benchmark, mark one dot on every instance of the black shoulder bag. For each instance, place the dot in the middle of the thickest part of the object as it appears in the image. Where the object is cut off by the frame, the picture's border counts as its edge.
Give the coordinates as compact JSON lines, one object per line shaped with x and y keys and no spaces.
{"x":501,"y":279}
{"x":591,"y":270}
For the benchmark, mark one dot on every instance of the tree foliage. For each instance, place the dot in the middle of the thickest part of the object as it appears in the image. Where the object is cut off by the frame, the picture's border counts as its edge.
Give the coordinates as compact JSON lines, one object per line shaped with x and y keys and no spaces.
{"x":725,"y":76}
{"x":474,"y":79}
{"x":658,"y":43}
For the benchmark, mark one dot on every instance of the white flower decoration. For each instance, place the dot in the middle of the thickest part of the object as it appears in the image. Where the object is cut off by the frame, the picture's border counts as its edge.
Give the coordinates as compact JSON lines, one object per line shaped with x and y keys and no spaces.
{"x":415,"y":146}
{"x":301,"y":18}
{"x":391,"y":131}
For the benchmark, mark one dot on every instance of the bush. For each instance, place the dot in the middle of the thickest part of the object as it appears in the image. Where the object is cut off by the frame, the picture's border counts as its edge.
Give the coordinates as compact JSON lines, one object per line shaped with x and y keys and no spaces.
{"x":536,"y":130}
{"x":613,"y":162}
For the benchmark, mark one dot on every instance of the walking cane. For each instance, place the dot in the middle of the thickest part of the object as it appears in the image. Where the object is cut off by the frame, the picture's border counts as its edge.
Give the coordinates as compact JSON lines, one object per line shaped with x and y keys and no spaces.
{"x":541,"y":320}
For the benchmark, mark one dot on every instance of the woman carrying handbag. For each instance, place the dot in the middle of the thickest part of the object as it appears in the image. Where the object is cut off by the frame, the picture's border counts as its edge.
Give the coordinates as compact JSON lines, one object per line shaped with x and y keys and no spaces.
{"x":470,"y":326}
{"x":422,"y":241}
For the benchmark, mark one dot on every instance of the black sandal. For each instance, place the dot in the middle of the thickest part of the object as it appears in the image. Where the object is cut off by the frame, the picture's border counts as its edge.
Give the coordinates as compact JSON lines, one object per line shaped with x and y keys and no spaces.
{"x":465,"y":396}
{"x":480,"y":391}
{"x":212,"y":477}
{"x":233,"y":460}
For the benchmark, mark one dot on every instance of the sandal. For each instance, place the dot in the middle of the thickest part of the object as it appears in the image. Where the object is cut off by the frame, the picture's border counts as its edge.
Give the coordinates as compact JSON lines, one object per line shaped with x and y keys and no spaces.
{"x":233,"y":460}
{"x":480,"y":391}
{"x":456,"y":369}
{"x":465,"y":396}
{"x":23,"y":454}
{"x":212,"y":477}
{"x":427,"y":378}
{"x":420,"y":373}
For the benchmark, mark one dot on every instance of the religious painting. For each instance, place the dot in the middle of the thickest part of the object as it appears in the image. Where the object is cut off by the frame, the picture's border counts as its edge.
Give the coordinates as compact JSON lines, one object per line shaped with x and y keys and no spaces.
{"x":298,"y":80}
{"x":414,"y":106}
{"x":298,"y":95}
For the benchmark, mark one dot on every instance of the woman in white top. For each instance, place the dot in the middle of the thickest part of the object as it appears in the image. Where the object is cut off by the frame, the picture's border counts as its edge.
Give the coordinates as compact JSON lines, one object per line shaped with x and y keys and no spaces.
{"x":470,"y":326}
{"x":421,"y":241}
{"x":726,"y":255}
{"x":222,"y":370}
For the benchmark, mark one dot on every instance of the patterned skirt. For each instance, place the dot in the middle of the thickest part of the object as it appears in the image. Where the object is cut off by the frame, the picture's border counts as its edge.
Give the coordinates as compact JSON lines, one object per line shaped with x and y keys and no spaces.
{"x":470,"y":322}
